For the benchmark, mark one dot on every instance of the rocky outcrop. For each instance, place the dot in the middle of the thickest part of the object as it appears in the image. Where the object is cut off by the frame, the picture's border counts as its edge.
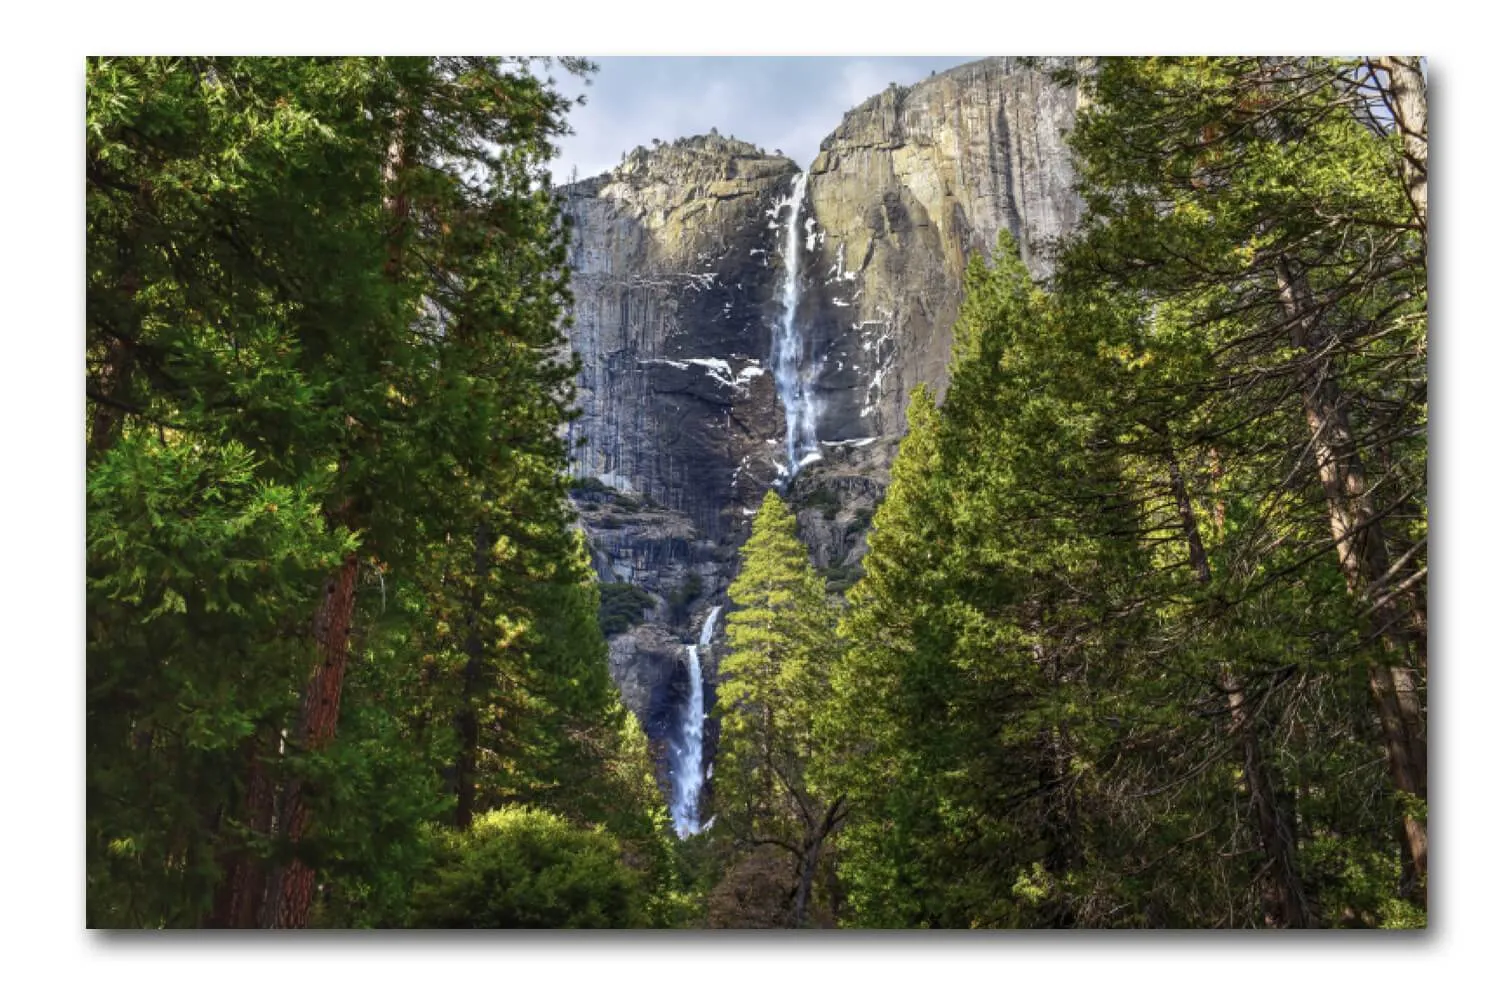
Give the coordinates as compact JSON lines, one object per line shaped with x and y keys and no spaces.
{"x":677,"y":258}
{"x":912,"y":183}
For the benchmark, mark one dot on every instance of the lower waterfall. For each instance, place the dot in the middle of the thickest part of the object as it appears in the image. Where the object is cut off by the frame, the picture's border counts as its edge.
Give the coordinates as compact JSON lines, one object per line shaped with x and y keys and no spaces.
{"x":687,"y":750}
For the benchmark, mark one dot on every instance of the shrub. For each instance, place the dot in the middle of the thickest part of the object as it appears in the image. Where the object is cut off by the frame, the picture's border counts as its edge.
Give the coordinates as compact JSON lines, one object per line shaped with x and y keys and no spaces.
{"x":591,"y":485}
{"x":522,"y":868}
{"x":825,"y":499}
{"x":592,"y":490}
{"x":860,"y":522}
{"x":841,"y":579}
{"x":622,"y":606}
{"x":680,"y":598}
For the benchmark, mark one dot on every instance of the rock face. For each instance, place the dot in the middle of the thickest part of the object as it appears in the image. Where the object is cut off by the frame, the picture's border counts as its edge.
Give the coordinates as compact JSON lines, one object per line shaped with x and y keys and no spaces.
{"x":677,"y":259}
{"x":674,"y":282}
{"x":912,"y":183}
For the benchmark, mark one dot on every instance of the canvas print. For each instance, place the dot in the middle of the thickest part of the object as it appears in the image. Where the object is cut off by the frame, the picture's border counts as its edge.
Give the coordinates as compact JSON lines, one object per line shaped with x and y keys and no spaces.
{"x":756,"y":493}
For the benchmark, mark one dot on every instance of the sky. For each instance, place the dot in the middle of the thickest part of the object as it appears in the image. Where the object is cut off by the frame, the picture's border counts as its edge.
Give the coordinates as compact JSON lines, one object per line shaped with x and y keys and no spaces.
{"x":788,"y":103}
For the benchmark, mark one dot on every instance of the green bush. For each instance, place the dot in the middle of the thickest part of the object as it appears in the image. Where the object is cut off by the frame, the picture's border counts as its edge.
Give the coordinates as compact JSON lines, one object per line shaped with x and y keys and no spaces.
{"x":593,"y":490}
{"x":680,"y":598}
{"x":522,"y":868}
{"x":841,"y":579}
{"x":622,"y":606}
{"x":591,"y":485}
{"x":825,"y":499}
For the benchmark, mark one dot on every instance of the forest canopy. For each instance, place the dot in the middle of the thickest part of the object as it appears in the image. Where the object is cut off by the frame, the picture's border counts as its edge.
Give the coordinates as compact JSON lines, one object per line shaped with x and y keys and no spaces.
{"x":1139,"y":638}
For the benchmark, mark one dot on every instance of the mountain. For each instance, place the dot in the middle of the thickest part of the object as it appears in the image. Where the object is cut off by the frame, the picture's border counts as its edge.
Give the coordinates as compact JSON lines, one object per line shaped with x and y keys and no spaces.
{"x":680,"y":277}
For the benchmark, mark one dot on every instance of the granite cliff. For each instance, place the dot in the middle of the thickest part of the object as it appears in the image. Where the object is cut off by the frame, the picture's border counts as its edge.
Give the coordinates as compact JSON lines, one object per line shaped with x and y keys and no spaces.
{"x":678,"y":259}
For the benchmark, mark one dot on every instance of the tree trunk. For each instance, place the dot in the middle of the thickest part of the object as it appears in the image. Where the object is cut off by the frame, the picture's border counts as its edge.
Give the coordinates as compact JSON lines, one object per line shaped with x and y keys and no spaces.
{"x":812,"y":850}
{"x":289,"y":895}
{"x":1288,"y":900}
{"x":237,"y":901}
{"x":1407,"y":93}
{"x":290,"y":888}
{"x":1395,"y":685}
{"x":467,"y":718}
{"x":804,"y":883}
{"x":114,"y":377}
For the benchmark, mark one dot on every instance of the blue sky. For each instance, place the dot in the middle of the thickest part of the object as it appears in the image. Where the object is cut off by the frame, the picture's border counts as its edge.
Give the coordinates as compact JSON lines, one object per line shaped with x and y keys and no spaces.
{"x":783,"y":102}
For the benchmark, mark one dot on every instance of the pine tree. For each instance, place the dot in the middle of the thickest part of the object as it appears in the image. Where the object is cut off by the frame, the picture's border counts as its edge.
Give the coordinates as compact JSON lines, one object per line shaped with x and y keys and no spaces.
{"x":210,"y":290}
{"x":1270,"y":206}
{"x":325,"y":376}
{"x":881,"y":752}
{"x":781,"y":647}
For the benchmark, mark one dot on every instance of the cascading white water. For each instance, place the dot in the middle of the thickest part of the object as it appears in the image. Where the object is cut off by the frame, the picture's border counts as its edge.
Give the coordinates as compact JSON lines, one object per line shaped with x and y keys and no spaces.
{"x":687,"y":752}
{"x":791,"y":385}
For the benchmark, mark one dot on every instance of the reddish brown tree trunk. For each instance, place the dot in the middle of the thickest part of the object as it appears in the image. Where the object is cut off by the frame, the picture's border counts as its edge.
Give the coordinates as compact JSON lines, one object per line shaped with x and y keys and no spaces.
{"x":238,"y":899}
{"x":290,"y":888}
{"x":289,"y":895}
{"x":1395,"y":681}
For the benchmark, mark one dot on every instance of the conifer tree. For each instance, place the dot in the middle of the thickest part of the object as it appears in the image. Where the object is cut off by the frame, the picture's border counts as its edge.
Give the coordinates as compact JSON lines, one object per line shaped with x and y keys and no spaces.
{"x":780,"y":634}
{"x":1276,"y":210}
{"x":325,"y":378}
{"x":882,"y":754}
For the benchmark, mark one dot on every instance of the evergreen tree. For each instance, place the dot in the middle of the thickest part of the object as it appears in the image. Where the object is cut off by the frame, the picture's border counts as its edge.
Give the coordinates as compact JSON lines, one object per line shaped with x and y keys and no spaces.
{"x":874,"y":717}
{"x":1069,"y":695}
{"x":781,"y":647}
{"x":999,"y":546}
{"x":1271,"y":207}
{"x":325,"y":380}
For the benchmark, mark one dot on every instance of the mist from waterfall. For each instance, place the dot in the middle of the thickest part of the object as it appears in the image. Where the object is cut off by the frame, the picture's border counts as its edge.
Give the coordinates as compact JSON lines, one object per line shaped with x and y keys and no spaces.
{"x":687,"y":751}
{"x":792,"y":386}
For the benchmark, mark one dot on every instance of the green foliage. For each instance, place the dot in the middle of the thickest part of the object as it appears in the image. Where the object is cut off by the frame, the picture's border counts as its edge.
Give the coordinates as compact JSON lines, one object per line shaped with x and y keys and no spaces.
{"x":781,"y":640}
{"x":325,"y":304}
{"x":959,"y":739}
{"x":192,"y":564}
{"x":1112,"y":524}
{"x":823,"y":498}
{"x":621,"y":606}
{"x":521,"y":868}
{"x":594,"y":491}
{"x":841,"y":579}
{"x":679,"y":599}
{"x":1101,"y":634}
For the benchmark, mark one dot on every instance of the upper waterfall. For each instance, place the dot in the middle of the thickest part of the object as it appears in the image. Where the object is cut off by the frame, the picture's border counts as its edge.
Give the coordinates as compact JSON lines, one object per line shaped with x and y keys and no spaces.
{"x":793,"y":384}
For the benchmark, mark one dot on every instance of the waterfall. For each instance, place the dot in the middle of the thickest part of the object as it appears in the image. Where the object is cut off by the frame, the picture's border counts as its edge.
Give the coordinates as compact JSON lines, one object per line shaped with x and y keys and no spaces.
{"x":786,"y":349}
{"x":687,"y":753}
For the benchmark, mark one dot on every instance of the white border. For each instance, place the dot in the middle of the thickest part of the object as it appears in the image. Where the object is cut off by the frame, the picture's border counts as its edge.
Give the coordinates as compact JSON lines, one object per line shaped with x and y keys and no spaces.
{"x":41,"y":594}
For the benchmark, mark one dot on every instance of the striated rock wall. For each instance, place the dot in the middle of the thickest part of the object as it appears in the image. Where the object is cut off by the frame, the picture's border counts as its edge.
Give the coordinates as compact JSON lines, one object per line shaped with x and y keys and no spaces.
{"x":674,"y":283}
{"x":912,"y":183}
{"x":677,"y":258}
{"x":673,"y":287}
